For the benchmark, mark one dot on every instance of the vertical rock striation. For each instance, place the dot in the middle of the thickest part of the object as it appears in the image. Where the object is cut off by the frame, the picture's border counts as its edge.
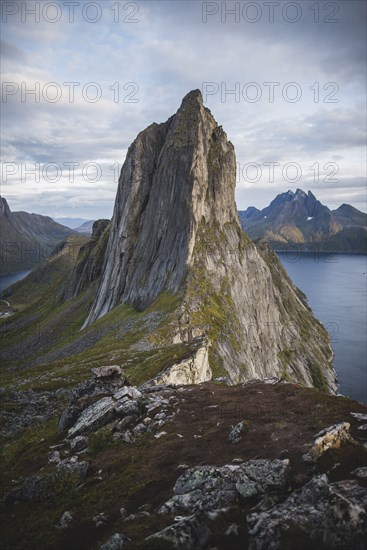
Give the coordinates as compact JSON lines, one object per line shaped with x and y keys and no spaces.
{"x":175,"y":229}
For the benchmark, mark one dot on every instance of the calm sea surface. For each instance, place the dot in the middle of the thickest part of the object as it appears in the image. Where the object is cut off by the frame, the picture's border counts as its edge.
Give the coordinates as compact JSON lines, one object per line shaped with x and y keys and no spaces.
{"x":336,"y":288}
{"x":8,"y":280}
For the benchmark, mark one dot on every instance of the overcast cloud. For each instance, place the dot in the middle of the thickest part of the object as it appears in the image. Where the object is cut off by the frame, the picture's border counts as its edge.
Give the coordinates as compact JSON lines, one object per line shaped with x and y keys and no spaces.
{"x":311,"y":122}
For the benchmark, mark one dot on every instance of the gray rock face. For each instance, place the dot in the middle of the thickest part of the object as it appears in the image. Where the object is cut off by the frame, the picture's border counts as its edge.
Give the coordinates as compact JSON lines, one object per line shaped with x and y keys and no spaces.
{"x":95,"y":416}
{"x":116,"y":542}
{"x":89,"y":263}
{"x":175,"y":229}
{"x":125,"y":402}
{"x":207,"y":488}
{"x":189,"y":533}
{"x":326,"y":515}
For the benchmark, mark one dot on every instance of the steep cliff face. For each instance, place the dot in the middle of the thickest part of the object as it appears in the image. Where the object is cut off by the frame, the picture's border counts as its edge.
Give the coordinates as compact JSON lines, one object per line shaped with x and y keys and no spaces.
{"x":176,"y":229}
{"x":89,"y":262}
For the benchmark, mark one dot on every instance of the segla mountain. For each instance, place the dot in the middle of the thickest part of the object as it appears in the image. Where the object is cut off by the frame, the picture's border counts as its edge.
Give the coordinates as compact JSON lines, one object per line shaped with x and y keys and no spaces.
{"x":175,"y":230}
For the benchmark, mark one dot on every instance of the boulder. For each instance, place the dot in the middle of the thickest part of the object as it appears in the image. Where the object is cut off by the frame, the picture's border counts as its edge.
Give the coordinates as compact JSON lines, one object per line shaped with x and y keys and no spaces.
{"x":67,"y":418}
{"x":126,"y":401}
{"x":112,"y":371}
{"x":328,"y":438}
{"x":116,"y":542}
{"x":97,"y":415}
{"x":78,"y":443}
{"x":207,"y":488}
{"x":54,"y":457}
{"x":235,"y":434}
{"x":65,"y":520}
{"x":189,"y":533}
{"x":320,"y":515}
{"x":73,"y":467}
{"x":128,"y":391}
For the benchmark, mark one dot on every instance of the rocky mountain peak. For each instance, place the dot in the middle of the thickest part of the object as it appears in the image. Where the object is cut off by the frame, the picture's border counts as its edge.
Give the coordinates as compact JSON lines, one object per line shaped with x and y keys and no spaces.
{"x":175,"y":230}
{"x":176,"y":175}
{"x":4,"y":208}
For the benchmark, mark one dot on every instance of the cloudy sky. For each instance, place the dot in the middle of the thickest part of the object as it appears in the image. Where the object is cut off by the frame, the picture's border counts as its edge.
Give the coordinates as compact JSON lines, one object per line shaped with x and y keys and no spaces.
{"x":286,"y":80}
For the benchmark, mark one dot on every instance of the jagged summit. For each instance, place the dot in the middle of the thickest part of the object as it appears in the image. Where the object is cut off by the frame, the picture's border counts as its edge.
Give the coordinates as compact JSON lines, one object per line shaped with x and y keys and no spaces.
{"x":176,"y":230}
{"x":300,"y":218}
{"x":176,"y":175}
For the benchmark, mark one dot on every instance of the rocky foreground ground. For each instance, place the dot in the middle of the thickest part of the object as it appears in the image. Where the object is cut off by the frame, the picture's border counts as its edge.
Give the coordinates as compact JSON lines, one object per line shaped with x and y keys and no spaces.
{"x":259,"y":465}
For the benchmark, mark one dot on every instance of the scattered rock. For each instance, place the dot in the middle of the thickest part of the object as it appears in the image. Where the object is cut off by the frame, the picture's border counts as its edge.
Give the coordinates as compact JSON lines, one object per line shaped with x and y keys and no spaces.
{"x":271,"y":380}
{"x":207,"y":488}
{"x":128,"y":391}
{"x":75,"y":468}
{"x":65,"y":520}
{"x":123,"y":513}
{"x":100,"y":519}
{"x":233,"y":530}
{"x":360,"y":473}
{"x":78,"y":443}
{"x":328,"y":438}
{"x":320,"y":514}
{"x":363,"y":427}
{"x":140,"y":429}
{"x":67,"y":418}
{"x":54,"y":457}
{"x":127,"y":407}
{"x":116,"y":542}
{"x":359,"y":416}
{"x":189,"y":533}
{"x":235,"y":434}
{"x":112,"y":371}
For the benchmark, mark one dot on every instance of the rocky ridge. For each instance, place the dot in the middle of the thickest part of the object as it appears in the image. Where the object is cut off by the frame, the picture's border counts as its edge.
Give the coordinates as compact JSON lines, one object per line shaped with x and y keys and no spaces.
{"x":222,"y":483}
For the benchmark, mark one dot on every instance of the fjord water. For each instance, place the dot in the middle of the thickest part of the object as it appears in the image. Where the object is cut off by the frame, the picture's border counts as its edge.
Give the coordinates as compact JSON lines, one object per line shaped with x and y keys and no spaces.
{"x":8,"y":280}
{"x":336,"y":288}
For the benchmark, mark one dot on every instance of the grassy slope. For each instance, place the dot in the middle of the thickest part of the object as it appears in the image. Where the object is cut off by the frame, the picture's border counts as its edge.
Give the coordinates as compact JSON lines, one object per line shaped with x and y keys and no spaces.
{"x":44,"y":334}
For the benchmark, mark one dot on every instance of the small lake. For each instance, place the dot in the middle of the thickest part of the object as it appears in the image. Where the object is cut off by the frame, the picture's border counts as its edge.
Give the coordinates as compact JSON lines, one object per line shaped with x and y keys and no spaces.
{"x":8,"y":280}
{"x":336,"y":288}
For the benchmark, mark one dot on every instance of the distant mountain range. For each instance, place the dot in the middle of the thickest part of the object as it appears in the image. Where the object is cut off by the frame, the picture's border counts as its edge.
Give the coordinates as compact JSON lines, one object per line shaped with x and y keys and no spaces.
{"x":80,"y":225}
{"x":298,"y":220}
{"x":86,"y":227}
{"x":26,"y":239}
